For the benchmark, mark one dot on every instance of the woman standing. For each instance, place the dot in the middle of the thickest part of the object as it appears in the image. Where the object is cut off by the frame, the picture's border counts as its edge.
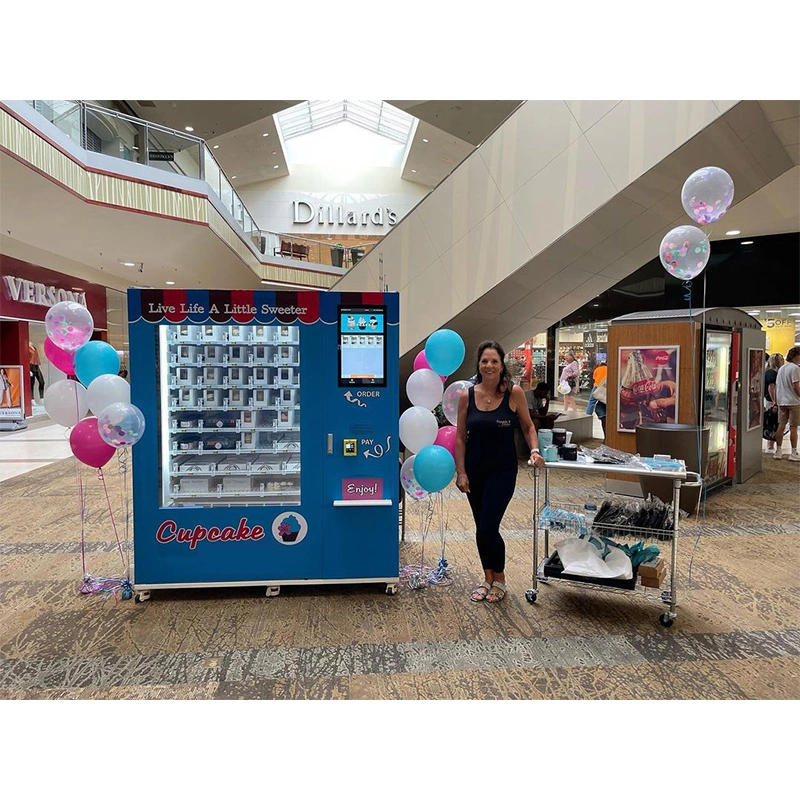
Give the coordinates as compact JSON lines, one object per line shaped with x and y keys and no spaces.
{"x":774,"y":363}
{"x":5,"y":389}
{"x":486,"y":459}
{"x":569,"y":375}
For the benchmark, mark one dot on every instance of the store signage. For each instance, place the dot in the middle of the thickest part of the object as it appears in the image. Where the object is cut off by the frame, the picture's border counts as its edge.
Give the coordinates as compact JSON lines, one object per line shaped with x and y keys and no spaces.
{"x":169,"y":531}
{"x":362,"y":488}
{"x":23,"y":291}
{"x":161,"y":155}
{"x":304,"y":213}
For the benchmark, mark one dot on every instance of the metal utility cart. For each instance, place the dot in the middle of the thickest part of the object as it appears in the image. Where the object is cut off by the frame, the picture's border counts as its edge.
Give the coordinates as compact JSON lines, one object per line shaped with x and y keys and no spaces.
{"x":680,"y":478}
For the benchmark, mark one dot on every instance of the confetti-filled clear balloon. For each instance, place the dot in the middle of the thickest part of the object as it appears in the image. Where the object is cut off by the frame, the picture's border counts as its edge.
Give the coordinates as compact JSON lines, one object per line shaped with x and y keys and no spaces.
{"x":684,"y":252}
{"x":707,"y":194}
{"x":409,"y":482}
{"x":450,"y":400}
{"x":121,"y":424}
{"x":69,"y":325}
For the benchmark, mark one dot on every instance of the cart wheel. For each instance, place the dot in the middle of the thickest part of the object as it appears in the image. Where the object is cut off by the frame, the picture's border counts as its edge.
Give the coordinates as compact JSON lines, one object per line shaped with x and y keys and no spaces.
{"x":391,"y":588}
{"x":666,"y":620}
{"x":531,"y":596}
{"x":141,"y":597}
{"x":273,"y":591}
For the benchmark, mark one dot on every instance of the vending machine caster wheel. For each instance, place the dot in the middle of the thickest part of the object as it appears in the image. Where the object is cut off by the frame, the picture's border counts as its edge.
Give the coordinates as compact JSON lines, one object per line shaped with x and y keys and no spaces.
{"x":391,"y":588}
{"x":666,"y":620}
{"x":141,"y":597}
{"x":531,"y":596}
{"x":273,"y":591}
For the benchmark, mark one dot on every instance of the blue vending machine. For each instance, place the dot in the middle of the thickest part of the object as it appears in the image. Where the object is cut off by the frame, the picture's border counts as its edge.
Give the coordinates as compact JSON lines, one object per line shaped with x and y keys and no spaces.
{"x":270,"y":454}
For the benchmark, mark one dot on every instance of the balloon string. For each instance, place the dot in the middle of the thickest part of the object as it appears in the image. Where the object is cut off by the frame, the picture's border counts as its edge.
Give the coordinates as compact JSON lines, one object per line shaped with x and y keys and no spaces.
{"x":82,"y":511}
{"x":122,"y":461}
{"x":102,"y":480}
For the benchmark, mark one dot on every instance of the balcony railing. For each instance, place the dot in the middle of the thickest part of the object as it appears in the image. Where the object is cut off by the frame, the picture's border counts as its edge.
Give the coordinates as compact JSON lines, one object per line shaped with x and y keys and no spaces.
{"x":122,"y":136}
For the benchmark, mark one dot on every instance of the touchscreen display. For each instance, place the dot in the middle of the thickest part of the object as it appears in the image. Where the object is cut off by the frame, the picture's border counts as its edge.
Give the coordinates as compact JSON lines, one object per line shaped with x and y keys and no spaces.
{"x":362,"y":346}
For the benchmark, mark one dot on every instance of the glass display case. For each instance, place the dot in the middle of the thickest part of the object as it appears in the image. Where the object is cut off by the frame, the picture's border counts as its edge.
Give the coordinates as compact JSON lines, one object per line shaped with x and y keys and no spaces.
{"x":229,"y":402}
{"x":716,"y":401}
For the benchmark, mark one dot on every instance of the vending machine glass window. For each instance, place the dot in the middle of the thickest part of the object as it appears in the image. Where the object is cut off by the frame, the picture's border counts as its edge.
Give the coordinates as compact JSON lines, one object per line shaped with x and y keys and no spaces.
{"x":716,"y":400}
{"x":225,"y":442}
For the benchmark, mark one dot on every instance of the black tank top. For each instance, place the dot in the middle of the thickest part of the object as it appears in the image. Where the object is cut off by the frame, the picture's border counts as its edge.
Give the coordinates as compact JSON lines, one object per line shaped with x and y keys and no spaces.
{"x":490,"y":436}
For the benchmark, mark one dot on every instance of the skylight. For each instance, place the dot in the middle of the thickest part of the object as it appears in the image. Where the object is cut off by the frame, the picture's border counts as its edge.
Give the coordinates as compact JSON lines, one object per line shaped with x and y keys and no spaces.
{"x":372,"y":115}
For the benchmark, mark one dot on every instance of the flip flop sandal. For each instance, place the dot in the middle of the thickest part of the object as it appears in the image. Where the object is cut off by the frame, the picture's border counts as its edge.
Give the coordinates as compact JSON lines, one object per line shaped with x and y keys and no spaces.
{"x":477,"y":591}
{"x":498,"y":590}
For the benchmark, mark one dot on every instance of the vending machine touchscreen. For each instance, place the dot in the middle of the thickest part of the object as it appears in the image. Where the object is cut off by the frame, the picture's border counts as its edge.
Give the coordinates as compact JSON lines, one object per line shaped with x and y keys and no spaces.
{"x":362,"y":346}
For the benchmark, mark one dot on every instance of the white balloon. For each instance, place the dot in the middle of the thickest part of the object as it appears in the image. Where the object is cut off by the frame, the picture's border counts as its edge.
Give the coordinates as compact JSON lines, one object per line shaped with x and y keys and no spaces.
{"x":105,"y":390}
{"x":424,"y":388}
{"x":418,"y":428}
{"x":65,"y":401}
{"x":707,"y":194}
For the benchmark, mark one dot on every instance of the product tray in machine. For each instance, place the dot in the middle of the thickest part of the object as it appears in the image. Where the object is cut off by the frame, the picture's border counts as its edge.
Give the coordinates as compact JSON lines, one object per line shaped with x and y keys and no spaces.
{"x":552,"y":568}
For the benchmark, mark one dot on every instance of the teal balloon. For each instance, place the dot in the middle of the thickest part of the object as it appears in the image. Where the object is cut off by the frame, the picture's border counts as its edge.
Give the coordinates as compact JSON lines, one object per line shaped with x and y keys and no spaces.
{"x":444,"y":351}
{"x":434,"y":468}
{"x":95,"y":359}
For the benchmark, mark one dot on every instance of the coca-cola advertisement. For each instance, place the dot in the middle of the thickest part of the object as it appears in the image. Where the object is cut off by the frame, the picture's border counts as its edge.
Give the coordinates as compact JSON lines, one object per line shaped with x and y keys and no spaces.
{"x":648,"y":386}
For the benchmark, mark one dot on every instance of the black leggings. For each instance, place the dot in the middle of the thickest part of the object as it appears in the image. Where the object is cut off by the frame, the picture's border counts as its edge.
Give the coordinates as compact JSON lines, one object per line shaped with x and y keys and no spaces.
{"x":36,"y":375}
{"x":489,"y":496}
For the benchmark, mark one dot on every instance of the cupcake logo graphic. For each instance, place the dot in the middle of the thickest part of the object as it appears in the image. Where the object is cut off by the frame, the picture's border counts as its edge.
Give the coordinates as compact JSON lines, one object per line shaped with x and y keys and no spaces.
{"x":289,"y":528}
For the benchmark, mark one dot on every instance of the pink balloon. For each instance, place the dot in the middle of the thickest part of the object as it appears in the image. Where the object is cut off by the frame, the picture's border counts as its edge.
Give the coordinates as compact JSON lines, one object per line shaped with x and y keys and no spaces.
{"x":447,"y":438}
{"x":88,"y":446}
{"x":420,"y":362}
{"x":59,"y":358}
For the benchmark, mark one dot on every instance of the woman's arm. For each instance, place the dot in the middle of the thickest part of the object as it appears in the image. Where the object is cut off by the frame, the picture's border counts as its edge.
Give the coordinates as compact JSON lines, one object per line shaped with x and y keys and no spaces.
{"x":520,"y":408}
{"x":462,"y":482}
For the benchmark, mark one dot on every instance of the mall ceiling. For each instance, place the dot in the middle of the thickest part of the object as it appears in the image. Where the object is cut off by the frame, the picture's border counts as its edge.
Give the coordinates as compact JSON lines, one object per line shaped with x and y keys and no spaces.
{"x":247,"y":145}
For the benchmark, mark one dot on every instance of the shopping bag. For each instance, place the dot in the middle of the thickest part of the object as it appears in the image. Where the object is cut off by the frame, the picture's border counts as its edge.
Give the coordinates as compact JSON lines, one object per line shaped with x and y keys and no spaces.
{"x":581,"y":557}
{"x":600,"y":392}
{"x":564,"y":387}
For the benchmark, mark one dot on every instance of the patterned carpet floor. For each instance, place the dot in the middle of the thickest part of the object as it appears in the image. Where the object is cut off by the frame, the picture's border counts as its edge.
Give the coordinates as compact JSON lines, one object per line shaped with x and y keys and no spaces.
{"x":737,"y":634}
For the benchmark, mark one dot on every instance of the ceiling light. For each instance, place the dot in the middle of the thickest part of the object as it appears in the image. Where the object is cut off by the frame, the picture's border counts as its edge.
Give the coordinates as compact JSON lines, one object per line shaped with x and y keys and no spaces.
{"x":189,"y":128}
{"x":264,"y":280}
{"x":755,"y":311}
{"x":425,"y":140}
{"x":216,"y":146}
{"x":749,"y":241}
{"x":274,"y":152}
{"x":128,"y":264}
{"x":276,"y":166}
{"x":170,"y":283}
{"x":413,"y":170}
{"x":773,"y":311}
{"x":732,"y":233}
{"x":595,"y":305}
{"x":265,"y":134}
{"x":233,"y":177}
{"x":795,"y":314}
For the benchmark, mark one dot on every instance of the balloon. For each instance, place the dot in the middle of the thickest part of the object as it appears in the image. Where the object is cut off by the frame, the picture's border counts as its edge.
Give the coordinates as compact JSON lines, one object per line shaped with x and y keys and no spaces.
{"x":684,"y":252}
{"x":87,"y":446}
{"x":409,"y":482}
{"x":120,"y":424}
{"x":424,"y":388}
{"x":447,"y":438}
{"x":59,"y":358}
{"x":65,"y":401}
{"x":105,"y":390}
{"x":707,"y":194}
{"x":420,"y":362}
{"x":450,"y":400}
{"x":434,"y":468}
{"x":418,"y":428}
{"x":95,"y":359}
{"x":69,"y":325}
{"x":444,"y":350}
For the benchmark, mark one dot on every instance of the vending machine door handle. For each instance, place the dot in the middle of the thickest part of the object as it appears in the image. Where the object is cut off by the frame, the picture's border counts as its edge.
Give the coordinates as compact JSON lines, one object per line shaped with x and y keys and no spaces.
{"x":330,"y":444}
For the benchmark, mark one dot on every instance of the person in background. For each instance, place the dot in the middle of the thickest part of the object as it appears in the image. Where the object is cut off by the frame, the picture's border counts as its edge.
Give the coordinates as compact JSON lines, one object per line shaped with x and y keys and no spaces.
{"x":540,"y":406}
{"x":36,"y":370}
{"x":787,"y":393}
{"x":598,"y":381}
{"x":569,"y":375}
{"x":774,"y":363}
{"x":486,"y":459}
